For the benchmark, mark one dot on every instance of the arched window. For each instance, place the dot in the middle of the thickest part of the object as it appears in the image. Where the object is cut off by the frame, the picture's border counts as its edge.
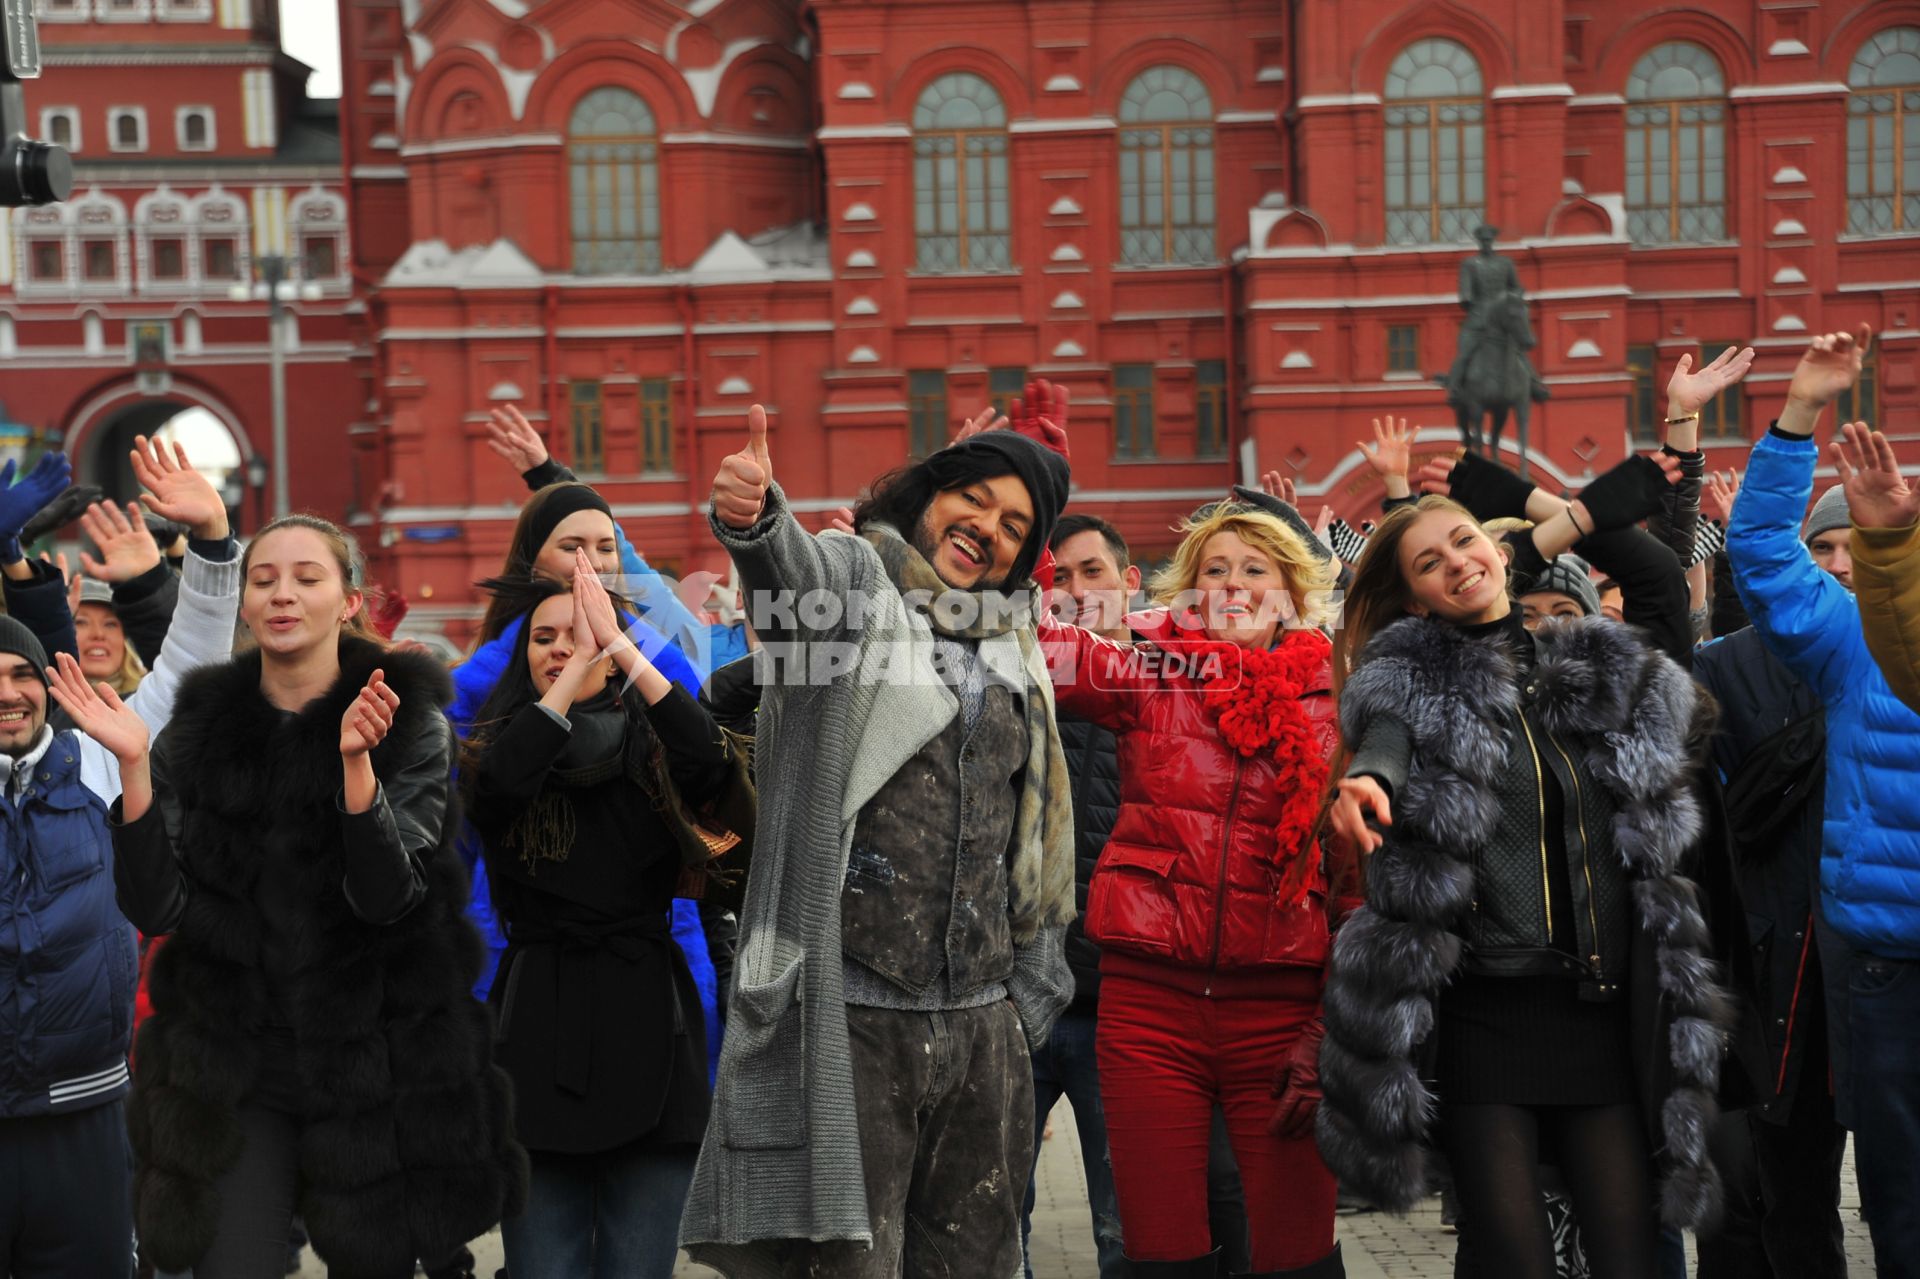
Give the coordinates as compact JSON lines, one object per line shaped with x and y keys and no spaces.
{"x":960,"y":215}
{"x":1883,"y":134}
{"x":1166,"y":169}
{"x":1676,"y":146}
{"x":614,"y":158}
{"x":1436,"y":157}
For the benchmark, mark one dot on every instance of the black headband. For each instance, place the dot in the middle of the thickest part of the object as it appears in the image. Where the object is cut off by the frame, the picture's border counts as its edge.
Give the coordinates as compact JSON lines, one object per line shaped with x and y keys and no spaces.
{"x":556,"y":505}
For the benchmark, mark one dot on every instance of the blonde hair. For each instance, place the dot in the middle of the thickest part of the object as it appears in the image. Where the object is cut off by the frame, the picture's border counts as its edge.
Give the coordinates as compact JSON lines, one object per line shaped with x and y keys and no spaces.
{"x":131,"y":670}
{"x":346,"y":557}
{"x":1310,"y":579}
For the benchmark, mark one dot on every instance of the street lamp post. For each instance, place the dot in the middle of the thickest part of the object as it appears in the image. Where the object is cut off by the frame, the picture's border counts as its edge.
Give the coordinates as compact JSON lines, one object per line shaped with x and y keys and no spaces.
{"x":275,"y":288}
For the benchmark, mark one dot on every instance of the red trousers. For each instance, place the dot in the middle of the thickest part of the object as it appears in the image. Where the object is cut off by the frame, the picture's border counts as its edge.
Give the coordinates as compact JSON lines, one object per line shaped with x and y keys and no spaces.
{"x":1166,"y":1057}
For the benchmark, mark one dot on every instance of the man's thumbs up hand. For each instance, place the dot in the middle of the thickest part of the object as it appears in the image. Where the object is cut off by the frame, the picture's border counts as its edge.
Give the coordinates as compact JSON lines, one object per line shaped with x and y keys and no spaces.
{"x":740,"y":488}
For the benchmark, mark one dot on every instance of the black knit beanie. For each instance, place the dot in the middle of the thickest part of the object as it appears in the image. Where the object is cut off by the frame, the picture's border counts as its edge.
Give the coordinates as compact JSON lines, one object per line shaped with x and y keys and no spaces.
{"x":1044,"y":472}
{"x":17,"y":640}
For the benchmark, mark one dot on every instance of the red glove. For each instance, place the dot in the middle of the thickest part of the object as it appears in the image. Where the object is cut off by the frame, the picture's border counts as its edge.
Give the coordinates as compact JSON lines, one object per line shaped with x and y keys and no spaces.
{"x":1042,"y":415}
{"x":1297,"y":1084}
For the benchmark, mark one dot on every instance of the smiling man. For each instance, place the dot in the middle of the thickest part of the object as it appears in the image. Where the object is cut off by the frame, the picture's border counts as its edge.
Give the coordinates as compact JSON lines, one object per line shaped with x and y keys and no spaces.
{"x":901,"y":945}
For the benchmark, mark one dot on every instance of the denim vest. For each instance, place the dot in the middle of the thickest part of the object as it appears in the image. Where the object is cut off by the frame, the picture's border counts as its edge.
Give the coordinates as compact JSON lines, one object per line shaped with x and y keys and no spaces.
{"x":67,"y":958}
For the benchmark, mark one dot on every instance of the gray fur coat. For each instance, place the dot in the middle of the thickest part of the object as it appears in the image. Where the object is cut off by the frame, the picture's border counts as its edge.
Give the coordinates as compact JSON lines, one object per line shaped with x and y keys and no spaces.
{"x":1629,"y":709}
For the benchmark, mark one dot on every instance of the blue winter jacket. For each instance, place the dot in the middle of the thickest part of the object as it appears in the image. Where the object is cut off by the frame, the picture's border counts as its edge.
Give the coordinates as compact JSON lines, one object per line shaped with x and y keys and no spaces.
{"x":1870,"y":839}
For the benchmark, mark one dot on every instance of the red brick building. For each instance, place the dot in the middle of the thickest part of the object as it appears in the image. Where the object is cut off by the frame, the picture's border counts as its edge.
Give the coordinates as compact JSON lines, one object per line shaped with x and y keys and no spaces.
{"x":196,"y":153}
{"x":1232,"y":227}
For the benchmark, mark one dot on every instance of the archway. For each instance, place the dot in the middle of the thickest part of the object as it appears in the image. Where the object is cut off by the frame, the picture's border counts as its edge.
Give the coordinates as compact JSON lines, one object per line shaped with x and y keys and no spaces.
{"x":102,"y":434}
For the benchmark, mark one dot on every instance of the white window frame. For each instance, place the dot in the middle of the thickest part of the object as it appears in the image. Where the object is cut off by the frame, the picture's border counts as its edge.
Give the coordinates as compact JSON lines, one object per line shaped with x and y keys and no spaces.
{"x":180,"y":115}
{"x":73,"y":11}
{"x":139,"y":115}
{"x":73,"y":117}
{"x":138,"y":11}
{"x":183,"y":10}
{"x":319,"y":212}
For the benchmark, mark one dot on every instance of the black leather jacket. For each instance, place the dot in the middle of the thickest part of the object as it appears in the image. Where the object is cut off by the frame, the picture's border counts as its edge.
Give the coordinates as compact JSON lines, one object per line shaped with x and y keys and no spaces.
{"x":1551,"y":897}
{"x":1093,"y":765}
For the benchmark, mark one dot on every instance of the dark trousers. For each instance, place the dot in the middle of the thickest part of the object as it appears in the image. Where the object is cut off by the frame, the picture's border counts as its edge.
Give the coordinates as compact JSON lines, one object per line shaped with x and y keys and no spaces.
{"x":1066,"y":1067}
{"x":66,"y":1195}
{"x":1883,"y":1044}
{"x":946,"y":1136}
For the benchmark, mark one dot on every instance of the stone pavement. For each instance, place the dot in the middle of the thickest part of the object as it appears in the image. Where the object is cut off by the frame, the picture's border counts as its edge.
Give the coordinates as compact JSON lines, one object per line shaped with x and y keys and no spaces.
{"x":1376,"y":1245}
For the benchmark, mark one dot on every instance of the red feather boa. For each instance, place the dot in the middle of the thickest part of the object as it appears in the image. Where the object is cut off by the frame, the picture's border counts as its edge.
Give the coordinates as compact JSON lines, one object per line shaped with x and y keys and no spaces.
{"x":1254,"y":698}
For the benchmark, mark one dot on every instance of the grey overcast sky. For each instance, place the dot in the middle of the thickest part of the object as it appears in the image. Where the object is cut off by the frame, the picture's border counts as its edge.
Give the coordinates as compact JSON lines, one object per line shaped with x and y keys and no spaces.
{"x":310,"y":31}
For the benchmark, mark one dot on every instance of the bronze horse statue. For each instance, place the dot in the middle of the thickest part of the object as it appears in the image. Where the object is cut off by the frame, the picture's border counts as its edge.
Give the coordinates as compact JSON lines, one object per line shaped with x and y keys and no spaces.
{"x":1496,"y":378}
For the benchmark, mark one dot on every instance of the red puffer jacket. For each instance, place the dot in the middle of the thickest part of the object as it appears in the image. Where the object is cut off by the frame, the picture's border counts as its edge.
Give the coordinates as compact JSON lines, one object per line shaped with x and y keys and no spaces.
{"x":1192,"y":878}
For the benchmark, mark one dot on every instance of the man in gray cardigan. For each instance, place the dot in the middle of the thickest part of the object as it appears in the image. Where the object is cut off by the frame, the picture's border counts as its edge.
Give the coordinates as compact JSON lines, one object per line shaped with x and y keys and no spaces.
{"x":901,"y":945}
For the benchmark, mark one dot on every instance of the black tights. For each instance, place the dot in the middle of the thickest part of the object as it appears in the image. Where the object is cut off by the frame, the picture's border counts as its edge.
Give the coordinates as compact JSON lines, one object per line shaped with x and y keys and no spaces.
{"x":1601,"y":1152}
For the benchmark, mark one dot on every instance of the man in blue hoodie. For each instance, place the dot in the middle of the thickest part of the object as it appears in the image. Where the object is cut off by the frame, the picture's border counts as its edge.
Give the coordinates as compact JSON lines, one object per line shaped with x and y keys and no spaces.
{"x":1870,"y":838}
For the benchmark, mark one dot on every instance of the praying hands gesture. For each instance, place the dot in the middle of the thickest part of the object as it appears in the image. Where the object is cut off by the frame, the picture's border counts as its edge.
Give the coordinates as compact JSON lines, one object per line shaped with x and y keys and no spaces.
{"x":1878,"y":496}
{"x":594,"y":609}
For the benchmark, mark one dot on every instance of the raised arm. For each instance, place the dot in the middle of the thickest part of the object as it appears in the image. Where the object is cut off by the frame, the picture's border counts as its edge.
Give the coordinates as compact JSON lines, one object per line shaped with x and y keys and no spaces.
{"x":1886,"y":554}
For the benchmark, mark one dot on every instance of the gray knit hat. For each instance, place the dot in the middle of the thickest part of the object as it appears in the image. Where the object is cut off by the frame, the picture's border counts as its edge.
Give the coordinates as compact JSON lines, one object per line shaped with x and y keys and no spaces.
{"x":1830,"y":512}
{"x":1568,"y":574}
{"x":17,"y":641}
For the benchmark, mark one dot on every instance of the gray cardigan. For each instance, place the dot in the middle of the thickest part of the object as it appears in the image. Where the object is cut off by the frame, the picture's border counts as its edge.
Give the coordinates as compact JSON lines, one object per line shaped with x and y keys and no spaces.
{"x":781,"y":1159}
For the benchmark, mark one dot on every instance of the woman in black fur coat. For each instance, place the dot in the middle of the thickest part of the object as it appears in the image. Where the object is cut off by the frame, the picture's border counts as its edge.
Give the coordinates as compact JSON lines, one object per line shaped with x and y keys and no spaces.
{"x":1531,"y":967}
{"x":582,"y":772}
{"x":313,"y":1047}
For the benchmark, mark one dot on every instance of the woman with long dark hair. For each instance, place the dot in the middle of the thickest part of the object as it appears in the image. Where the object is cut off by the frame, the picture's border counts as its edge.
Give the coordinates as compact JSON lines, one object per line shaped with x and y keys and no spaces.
{"x":313,"y":1047}
{"x":1530,"y":964}
{"x":585,"y":772}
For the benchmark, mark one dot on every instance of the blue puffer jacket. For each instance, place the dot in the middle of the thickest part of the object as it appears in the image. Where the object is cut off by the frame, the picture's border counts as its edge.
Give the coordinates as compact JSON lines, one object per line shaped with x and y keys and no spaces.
{"x":66,"y":954}
{"x":1870,"y":844}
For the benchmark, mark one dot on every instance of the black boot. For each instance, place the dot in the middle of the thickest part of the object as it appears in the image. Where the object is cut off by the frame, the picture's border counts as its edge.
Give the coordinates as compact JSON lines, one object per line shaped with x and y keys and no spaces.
{"x":1328,"y":1267}
{"x":1210,"y":1266}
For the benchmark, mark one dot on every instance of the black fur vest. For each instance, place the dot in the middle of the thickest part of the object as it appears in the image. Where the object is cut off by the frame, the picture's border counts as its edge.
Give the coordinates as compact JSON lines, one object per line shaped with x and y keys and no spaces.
{"x":1628,"y":710}
{"x":407,"y":1148}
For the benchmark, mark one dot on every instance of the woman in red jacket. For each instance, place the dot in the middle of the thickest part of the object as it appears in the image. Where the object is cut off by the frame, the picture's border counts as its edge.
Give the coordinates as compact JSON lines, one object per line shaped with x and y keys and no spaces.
{"x":1210,"y":901}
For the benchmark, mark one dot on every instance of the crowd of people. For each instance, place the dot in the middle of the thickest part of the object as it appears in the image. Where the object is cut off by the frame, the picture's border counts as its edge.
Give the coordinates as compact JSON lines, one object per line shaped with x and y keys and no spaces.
{"x":1559,"y":851}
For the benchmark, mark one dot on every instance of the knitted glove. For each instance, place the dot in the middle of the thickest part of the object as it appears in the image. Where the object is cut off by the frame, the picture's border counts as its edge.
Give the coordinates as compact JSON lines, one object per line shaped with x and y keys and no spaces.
{"x":1488,"y":489}
{"x":1297,"y":1084}
{"x":1348,"y":544}
{"x":62,"y":511}
{"x":1707,"y":539}
{"x":21,"y":502}
{"x":1041,"y":414}
{"x":1627,"y":494}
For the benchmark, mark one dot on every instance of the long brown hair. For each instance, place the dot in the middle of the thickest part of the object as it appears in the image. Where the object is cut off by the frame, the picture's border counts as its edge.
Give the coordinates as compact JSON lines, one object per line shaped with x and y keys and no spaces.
{"x":1378,"y":596}
{"x":346,"y":557}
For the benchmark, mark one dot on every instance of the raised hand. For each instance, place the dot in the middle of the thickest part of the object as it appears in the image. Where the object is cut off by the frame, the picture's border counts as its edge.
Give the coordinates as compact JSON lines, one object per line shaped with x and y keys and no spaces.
{"x":1356,"y":800}
{"x":1717,"y":492}
{"x":97,"y":711}
{"x":1323,"y":523}
{"x":841,"y":518}
{"x":1274,"y":484}
{"x":986,"y":419}
{"x":1041,"y":414}
{"x":21,"y":502}
{"x":1830,"y":366}
{"x":127,"y":548}
{"x":591,"y":602}
{"x":1878,"y":496}
{"x":176,"y":491}
{"x":740,"y":486}
{"x":1391,"y":453}
{"x":1436,"y":476}
{"x":73,"y":580}
{"x":369,"y":718}
{"x":1688,"y":391}
{"x":512,"y":437}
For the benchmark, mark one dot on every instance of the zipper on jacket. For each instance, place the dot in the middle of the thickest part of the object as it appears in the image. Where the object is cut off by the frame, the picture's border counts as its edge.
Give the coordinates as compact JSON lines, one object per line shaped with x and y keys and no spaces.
{"x":1226,"y":841}
{"x":1540,"y":787}
{"x":1586,"y":853}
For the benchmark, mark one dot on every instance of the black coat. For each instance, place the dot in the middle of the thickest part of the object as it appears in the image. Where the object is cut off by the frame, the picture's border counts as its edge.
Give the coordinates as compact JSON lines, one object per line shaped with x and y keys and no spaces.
{"x":1093,"y":765}
{"x":407,"y":1147}
{"x":1797,"y":962}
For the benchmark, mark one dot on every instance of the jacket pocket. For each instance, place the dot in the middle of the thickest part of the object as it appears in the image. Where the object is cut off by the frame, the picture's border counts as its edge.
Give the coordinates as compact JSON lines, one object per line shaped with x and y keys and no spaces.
{"x":1131,"y":901}
{"x":763,"y":1088}
{"x":75,"y":852}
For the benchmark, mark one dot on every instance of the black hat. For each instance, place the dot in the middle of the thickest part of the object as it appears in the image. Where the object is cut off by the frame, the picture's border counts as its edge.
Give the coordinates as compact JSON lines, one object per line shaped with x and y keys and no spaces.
{"x":1044,"y":472}
{"x":17,"y":640}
